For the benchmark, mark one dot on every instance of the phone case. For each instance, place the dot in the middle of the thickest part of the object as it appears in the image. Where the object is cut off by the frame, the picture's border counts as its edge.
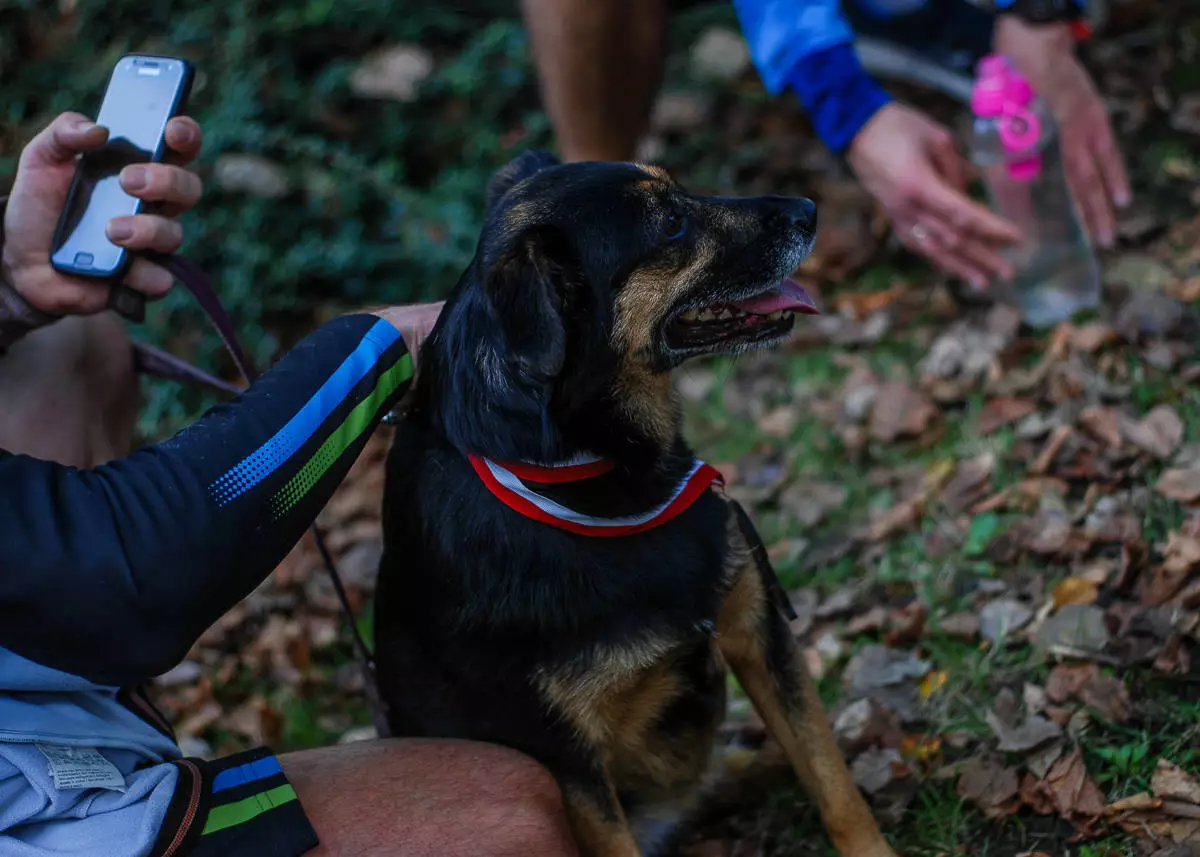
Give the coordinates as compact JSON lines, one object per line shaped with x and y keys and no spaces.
{"x":177,"y":108}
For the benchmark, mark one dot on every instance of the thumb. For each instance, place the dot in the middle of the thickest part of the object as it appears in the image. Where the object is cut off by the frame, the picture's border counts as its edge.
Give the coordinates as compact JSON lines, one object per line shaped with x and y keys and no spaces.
{"x":60,"y":141}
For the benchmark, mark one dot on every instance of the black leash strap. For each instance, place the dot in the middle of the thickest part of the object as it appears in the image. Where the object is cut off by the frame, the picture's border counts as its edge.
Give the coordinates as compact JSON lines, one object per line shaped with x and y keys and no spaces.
{"x":189,"y":273}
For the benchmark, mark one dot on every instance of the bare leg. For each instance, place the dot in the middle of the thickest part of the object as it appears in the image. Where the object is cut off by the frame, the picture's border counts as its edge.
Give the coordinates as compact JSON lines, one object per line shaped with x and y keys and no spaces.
{"x":70,"y":393}
{"x":600,"y":63}
{"x":429,"y":798}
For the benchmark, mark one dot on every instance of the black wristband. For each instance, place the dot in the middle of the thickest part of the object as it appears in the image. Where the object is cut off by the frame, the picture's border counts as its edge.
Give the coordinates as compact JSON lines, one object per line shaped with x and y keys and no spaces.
{"x":1041,"y":11}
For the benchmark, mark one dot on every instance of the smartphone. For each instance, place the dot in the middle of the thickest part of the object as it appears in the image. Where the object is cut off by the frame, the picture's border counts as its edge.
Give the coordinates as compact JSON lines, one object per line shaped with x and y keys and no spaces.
{"x":143,"y":93}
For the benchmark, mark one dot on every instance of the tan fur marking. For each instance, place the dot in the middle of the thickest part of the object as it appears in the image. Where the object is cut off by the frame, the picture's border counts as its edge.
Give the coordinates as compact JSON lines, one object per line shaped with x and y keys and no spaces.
{"x":647,"y":397}
{"x":616,"y":697}
{"x":656,"y":171}
{"x":596,"y":834}
{"x":799,"y":724}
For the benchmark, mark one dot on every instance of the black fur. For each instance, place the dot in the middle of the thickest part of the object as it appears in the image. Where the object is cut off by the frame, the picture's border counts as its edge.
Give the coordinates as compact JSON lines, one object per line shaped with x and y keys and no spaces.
{"x":475,"y":600}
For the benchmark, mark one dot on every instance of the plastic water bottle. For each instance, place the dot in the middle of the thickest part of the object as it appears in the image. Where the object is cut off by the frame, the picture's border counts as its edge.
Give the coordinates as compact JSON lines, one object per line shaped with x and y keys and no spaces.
{"x":1014,"y":141}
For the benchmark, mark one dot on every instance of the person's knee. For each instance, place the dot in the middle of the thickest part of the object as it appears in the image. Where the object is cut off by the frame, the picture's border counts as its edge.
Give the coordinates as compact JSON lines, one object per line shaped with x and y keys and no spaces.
{"x":523,"y":808}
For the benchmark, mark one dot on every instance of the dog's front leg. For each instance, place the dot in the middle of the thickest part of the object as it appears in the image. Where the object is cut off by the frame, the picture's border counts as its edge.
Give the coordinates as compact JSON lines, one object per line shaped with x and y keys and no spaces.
{"x":756,"y":642}
{"x":595,"y":815}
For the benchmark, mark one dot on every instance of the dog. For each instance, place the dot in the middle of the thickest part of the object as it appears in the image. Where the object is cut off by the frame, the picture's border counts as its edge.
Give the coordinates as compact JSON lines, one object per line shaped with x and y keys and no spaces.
{"x":559,"y":574}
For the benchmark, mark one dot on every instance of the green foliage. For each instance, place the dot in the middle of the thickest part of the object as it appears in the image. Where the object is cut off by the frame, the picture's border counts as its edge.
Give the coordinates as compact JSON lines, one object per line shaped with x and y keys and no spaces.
{"x":386,"y":197}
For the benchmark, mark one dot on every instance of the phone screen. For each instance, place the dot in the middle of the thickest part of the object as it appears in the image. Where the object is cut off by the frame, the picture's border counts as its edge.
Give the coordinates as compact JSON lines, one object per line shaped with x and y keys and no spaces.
{"x":142,"y":96}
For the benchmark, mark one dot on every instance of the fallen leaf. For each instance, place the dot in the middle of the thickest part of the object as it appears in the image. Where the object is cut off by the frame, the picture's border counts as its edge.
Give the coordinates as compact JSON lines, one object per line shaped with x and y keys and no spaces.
{"x":1032,"y":733}
{"x":887,"y":675}
{"x":1181,"y":557}
{"x":1075,"y":630}
{"x":1003,"y":411}
{"x":990,"y":786}
{"x":905,"y":515}
{"x":899,"y":411}
{"x":866,"y":723}
{"x":906,"y":626}
{"x":932,"y":683}
{"x":1075,"y":590}
{"x":964,"y":625}
{"x":1093,"y":336}
{"x":1103,"y":424}
{"x":1170,"y":782}
{"x":969,"y":483}
{"x":1107,"y":696}
{"x":889,"y":781}
{"x":1182,"y":485}
{"x":1074,"y":794}
{"x":779,"y":422}
{"x":859,"y":305}
{"x":1139,"y":802}
{"x":999,"y":618}
{"x":1159,"y":433}
{"x":1066,"y":680}
{"x":809,"y":503}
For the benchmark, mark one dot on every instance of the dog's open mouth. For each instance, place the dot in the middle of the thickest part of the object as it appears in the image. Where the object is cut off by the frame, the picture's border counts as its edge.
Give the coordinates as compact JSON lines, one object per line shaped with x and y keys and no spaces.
{"x":761,"y":318}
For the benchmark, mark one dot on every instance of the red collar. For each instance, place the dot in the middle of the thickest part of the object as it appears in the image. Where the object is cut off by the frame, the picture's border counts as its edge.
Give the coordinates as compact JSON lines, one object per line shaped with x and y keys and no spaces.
{"x":508,"y":481}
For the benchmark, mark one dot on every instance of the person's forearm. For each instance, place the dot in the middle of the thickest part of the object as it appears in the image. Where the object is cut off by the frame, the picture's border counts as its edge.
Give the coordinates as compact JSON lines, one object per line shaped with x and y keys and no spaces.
{"x":838,"y":94}
{"x":111,"y":574}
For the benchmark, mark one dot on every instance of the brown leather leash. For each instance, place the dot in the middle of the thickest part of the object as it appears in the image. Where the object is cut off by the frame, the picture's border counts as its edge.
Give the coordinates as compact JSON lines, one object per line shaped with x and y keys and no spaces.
{"x":195,"y":281}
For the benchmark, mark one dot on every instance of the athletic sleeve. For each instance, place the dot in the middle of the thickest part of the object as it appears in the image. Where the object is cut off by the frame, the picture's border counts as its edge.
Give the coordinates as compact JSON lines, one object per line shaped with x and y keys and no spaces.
{"x":112,"y":573}
{"x":808,"y":46}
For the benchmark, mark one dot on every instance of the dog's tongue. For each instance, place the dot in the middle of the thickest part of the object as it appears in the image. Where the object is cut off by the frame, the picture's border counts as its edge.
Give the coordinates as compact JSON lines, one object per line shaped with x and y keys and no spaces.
{"x":788,"y":295}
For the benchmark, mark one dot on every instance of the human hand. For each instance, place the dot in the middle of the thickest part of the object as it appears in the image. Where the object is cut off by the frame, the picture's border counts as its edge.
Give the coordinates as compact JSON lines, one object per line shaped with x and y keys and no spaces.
{"x":414,"y":322}
{"x":1045,"y":53}
{"x":44,"y":174}
{"x":910,"y":164}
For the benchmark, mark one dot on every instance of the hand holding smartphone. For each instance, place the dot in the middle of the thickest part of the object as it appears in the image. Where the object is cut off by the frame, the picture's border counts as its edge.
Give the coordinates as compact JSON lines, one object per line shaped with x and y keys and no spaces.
{"x":144,"y":92}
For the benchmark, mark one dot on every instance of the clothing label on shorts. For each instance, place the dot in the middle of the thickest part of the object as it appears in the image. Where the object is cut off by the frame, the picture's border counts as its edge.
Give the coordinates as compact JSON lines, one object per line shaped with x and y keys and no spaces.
{"x":81,"y":768}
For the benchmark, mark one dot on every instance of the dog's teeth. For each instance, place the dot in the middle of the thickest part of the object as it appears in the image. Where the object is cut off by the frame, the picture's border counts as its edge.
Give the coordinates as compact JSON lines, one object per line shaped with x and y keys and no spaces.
{"x":690,"y":315}
{"x":724,"y":313}
{"x":705,"y":315}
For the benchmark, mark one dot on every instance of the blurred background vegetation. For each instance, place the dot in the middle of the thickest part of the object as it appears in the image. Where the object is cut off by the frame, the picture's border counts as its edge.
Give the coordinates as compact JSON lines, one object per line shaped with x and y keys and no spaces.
{"x":347,"y":145}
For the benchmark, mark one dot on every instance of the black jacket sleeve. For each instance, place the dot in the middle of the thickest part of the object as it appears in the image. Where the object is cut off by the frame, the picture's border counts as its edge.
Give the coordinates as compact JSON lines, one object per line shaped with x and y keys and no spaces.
{"x":112,"y":573}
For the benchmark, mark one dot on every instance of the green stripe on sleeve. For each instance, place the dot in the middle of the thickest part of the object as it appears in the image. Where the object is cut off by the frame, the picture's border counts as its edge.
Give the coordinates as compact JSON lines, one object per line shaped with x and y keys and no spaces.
{"x":233,"y":814}
{"x":342,"y":437}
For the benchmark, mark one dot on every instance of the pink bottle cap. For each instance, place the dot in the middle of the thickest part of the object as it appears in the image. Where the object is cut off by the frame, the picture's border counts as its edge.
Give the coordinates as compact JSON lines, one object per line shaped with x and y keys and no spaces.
{"x":1001,"y":92}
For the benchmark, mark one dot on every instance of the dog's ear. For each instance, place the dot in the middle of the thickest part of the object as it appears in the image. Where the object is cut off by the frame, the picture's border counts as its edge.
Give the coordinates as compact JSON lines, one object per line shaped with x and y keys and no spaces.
{"x":518,"y":169}
{"x":526,"y":288}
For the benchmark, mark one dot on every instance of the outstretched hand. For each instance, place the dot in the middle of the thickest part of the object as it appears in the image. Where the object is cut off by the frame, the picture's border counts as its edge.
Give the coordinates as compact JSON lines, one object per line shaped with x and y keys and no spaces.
{"x":910,"y":164}
{"x":1045,"y":53}
{"x":43,"y":181}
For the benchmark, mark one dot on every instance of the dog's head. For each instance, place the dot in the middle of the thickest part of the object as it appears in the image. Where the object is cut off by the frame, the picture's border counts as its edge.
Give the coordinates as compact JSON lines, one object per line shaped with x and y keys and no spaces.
{"x":591,"y":282}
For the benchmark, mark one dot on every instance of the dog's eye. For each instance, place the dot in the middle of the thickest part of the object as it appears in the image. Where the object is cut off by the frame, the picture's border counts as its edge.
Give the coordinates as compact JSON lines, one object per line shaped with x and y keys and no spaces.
{"x":676,"y":226}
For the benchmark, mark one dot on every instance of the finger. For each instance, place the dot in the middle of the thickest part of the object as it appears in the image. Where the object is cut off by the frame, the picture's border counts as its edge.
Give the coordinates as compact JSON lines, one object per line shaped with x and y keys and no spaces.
{"x":184,"y":140}
{"x":1089,"y":191}
{"x":173,"y":186}
{"x":63,"y":139}
{"x":946,"y":259}
{"x":979,"y":255}
{"x":145,"y":232}
{"x":149,"y":279}
{"x":966,"y":215}
{"x":1112,"y":166}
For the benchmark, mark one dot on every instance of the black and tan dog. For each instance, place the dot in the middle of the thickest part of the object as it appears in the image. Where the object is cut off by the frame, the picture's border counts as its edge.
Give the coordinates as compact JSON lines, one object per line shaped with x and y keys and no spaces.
{"x":557,"y":575}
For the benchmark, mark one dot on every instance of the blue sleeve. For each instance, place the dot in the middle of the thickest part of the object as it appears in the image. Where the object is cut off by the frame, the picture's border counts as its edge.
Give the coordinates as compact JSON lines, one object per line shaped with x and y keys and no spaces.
{"x":112,"y":573}
{"x":808,"y":45}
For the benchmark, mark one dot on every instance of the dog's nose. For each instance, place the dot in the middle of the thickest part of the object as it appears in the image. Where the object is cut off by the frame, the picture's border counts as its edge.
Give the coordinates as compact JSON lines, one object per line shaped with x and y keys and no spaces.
{"x":799,"y":211}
